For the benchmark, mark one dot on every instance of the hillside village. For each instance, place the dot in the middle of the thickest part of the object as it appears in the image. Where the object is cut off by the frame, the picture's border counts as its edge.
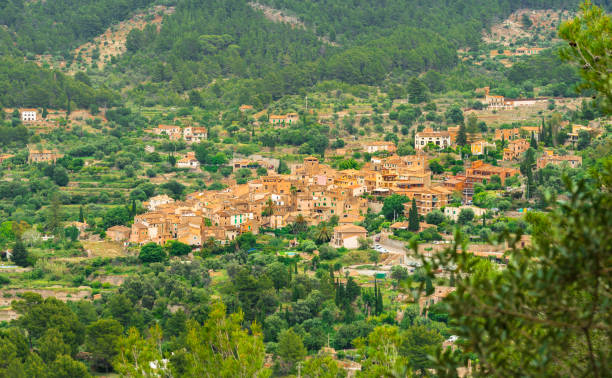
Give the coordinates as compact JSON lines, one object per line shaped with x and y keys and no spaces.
{"x":283,"y":188}
{"x":315,"y":193}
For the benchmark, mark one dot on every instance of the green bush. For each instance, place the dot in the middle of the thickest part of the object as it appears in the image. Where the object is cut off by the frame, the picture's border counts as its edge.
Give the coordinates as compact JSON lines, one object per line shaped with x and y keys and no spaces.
{"x":151,"y":252}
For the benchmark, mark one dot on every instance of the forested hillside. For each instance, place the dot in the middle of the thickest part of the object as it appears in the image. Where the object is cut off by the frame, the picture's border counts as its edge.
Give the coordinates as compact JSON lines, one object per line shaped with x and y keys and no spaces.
{"x":377,"y":41}
{"x":206,"y":40}
{"x":56,"y":26}
{"x":26,"y":84}
{"x":460,"y":22}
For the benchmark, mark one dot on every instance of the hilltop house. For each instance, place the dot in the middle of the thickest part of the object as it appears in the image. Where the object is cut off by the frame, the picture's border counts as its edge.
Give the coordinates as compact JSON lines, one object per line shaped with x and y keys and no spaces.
{"x":29,"y":115}
{"x":438,"y":138}
{"x":479,"y":147}
{"x":118,"y":233}
{"x":499,"y":102}
{"x":173,"y":132}
{"x":515,"y":149}
{"x":480,"y":171}
{"x":288,"y":119}
{"x":348,"y":236}
{"x":372,"y":147}
{"x":528,"y":50}
{"x":157,"y":201}
{"x":507,"y":134}
{"x":494,"y":101}
{"x":453,"y":212}
{"x":428,"y":199}
{"x":572,"y":160}
{"x":43,"y":156}
{"x":194,"y":134}
{"x":189,"y":161}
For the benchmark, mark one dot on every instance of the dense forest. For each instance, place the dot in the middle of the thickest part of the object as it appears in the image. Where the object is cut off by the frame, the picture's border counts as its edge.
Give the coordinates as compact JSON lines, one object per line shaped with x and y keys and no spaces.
{"x":56,"y":26}
{"x":230,"y":38}
{"x":26,"y":84}
{"x":365,"y":42}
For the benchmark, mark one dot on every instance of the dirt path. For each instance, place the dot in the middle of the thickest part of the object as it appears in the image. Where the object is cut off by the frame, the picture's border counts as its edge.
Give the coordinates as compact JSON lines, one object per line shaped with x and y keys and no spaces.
{"x":279,"y":16}
{"x":9,"y":295}
{"x":512,"y":29}
{"x":111,"y":42}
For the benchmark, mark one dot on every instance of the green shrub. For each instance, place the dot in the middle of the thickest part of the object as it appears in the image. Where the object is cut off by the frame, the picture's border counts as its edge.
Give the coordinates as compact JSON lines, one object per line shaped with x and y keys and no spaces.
{"x":151,"y":252}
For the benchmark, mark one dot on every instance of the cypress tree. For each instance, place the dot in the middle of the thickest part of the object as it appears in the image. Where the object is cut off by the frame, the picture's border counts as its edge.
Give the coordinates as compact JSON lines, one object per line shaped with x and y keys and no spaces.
{"x":429,"y":289}
{"x":533,"y":143}
{"x":352,"y":289}
{"x":375,"y":288}
{"x":349,"y":314}
{"x":529,"y":184}
{"x":461,"y":136}
{"x":20,"y":253}
{"x":379,"y":303}
{"x":413,"y":217}
{"x":81,"y":216}
{"x":452,"y":279}
{"x":339,"y":293}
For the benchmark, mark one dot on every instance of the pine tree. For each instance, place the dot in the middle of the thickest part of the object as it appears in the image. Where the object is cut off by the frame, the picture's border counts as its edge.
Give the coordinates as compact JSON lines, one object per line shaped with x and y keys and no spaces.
{"x":20,"y":253}
{"x":413,"y":217}
{"x":461,"y":136}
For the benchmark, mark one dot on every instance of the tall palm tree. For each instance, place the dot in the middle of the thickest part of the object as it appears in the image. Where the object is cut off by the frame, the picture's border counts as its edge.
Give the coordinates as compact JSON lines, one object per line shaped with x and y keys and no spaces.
{"x":300,"y":224}
{"x":269,"y":209}
{"x":323,"y":234}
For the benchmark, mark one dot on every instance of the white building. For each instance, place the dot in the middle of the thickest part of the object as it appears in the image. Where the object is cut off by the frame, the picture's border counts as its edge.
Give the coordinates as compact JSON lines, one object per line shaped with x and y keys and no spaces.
{"x":373,"y":147}
{"x":238,"y":219}
{"x":453,"y":212}
{"x":348,"y":236}
{"x":188,"y":162}
{"x":29,"y":115}
{"x":438,"y":138}
{"x":155,"y":202}
{"x":195,"y":134}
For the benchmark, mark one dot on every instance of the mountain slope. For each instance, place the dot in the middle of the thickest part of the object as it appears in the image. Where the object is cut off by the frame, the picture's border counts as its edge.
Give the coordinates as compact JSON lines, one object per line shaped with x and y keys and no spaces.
{"x":57,"y":25}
